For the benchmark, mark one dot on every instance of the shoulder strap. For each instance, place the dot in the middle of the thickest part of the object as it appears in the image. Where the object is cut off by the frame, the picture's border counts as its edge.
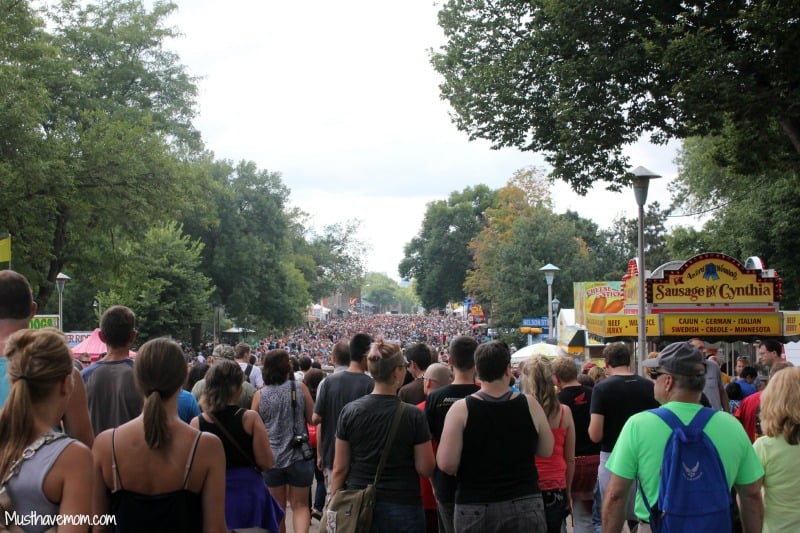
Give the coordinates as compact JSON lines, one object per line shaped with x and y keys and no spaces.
{"x":702,"y":418}
{"x":247,"y":371}
{"x":114,"y":468}
{"x":669,"y":418}
{"x":398,"y":414}
{"x":229,"y":437}
{"x":190,"y":460}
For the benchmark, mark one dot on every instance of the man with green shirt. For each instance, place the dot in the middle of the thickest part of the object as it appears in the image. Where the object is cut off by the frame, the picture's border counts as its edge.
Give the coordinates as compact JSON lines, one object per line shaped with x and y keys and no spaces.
{"x":678,"y":374}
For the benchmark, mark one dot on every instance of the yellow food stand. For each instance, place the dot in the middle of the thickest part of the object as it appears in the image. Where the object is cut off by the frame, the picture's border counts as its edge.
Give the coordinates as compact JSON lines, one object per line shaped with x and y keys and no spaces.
{"x":711,"y":296}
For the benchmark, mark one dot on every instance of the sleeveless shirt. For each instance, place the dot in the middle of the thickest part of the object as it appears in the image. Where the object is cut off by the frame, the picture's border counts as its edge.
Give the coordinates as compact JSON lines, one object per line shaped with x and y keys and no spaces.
{"x":25,"y":488}
{"x":497,"y":459}
{"x":282,"y":425}
{"x":553,"y":470}
{"x":179,"y":511}
{"x":231,"y":417}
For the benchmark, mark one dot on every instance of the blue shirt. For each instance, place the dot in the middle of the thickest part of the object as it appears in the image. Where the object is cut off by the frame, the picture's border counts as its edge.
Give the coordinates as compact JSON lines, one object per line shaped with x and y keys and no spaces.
{"x":5,"y":385}
{"x":187,"y":406}
{"x":747,"y":389}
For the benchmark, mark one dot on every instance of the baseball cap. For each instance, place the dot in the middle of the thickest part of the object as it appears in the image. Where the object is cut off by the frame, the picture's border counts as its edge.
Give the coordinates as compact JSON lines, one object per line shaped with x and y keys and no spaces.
{"x":682,"y":358}
{"x":588,"y":366}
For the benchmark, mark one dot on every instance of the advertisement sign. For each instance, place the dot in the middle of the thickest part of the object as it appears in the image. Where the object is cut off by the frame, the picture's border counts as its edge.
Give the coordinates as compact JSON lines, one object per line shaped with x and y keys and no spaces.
{"x":43,"y":321}
{"x":722,"y":324}
{"x":791,"y":323}
{"x":713,"y":279}
{"x":597,"y":297}
{"x":620,"y":325}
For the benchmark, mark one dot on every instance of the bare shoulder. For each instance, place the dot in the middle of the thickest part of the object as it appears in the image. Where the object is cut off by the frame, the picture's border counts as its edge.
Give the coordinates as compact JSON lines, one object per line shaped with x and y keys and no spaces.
{"x":102,"y":442}
{"x":77,"y":453}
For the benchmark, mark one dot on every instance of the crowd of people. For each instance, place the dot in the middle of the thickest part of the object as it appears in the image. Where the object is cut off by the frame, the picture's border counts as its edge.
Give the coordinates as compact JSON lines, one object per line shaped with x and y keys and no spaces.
{"x":229,"y":442}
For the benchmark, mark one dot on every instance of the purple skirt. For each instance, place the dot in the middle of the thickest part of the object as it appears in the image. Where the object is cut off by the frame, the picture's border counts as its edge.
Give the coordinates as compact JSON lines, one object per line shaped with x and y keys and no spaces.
{"x":248,"y":502}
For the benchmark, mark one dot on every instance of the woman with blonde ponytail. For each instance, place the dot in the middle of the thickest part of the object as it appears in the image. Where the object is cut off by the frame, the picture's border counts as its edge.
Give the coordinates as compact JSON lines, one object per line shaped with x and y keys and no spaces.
{"x":157,"y":473}
{"x":556,"y":471}
{"x":44,"y":473}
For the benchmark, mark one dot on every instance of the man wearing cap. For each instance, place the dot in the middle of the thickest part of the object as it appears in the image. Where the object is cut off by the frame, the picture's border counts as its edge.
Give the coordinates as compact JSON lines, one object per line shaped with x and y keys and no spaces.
{"x":678,"y":374}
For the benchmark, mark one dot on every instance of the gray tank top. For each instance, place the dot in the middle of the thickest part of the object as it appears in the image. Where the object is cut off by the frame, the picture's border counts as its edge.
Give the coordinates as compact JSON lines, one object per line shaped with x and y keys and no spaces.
{"x":26,"y":488}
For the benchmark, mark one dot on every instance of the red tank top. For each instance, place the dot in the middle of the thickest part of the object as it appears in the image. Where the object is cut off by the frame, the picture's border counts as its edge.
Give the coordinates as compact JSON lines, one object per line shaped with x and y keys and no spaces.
{"x":553,"y":470}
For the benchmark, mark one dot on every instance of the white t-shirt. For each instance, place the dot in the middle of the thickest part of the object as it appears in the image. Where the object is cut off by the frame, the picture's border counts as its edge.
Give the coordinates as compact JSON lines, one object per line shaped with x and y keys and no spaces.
{"x":255,"y":378}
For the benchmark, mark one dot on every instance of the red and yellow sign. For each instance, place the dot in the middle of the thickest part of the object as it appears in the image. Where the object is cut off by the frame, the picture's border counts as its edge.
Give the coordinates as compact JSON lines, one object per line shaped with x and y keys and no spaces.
{"x":721,"y":324}
{"x":598,"y":297}
{"x":620,"y":325}
{"x":713,"y":279}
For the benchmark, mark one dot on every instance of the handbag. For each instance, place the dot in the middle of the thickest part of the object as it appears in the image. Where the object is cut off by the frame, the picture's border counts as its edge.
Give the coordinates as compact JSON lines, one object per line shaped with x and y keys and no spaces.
{"x":350,"y":511}
{"x":300,"y":441}
{"x":6,"y":507}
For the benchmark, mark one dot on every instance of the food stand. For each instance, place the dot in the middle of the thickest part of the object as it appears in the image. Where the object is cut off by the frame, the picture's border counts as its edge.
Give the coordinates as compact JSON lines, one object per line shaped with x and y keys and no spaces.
{"x":711,"y":296}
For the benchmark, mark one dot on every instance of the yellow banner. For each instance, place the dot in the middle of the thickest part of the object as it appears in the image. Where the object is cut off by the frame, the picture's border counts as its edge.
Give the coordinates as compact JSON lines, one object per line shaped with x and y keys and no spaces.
{"x":791,"y":323}
{"x":5,"y":250}
{"x":722,"y":324}
{"x":43,"y":321}
{"x":716,"y":280}
{"x":620,"y":325}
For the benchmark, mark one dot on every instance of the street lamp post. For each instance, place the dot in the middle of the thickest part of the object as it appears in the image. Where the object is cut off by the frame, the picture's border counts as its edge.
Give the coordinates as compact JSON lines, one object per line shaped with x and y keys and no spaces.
{"x":641,"y":182}
{"x":555,"y":304}
{"x":61,"y":280}
{"x":549,"y":272}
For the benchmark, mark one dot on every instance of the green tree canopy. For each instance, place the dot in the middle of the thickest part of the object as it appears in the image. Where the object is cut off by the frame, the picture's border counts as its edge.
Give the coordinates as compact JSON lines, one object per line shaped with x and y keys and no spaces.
{"x":159,"y":279}
{"x":439,"y":257}
{"x":580,"y":80}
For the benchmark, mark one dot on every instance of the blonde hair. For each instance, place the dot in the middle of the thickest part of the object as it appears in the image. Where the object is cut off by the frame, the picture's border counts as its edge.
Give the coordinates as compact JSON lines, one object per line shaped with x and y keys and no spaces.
{"x":383,"y":358}
{"x":160,"y":370}
{"x":38,"y":361}
{"x":597,"y":373}
{"x":780,"y":406}
{"x":538,"y":372}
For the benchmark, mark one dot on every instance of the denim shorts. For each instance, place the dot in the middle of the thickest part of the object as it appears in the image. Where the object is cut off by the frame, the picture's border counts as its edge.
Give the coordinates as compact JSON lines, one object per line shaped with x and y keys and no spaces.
{"x":520,"y":514}
{"x":299,"y":474}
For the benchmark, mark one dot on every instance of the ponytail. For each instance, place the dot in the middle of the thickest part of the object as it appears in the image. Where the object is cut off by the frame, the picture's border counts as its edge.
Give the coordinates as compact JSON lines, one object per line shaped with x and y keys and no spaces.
{"x":37,"y":362}
{"x":160,"y":371}
{"x":156,"y":431}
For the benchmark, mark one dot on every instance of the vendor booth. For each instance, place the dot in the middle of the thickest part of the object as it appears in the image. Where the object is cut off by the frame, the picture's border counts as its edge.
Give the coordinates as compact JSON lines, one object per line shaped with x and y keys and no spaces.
{"x":711,"y":296}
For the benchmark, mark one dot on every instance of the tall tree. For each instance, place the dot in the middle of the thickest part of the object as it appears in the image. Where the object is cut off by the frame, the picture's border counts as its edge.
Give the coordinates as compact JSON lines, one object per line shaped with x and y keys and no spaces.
{"x":439,"y":257}
{"x":527,"y":189}
{"x":580,"y":80}
{"x":160,"y":280}
{"x":751,"y":214}
{"x":104,"y":151}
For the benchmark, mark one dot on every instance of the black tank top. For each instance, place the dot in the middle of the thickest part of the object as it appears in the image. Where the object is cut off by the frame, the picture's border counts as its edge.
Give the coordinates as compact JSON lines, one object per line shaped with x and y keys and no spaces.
{"x":497,"y":460}
{"x":179,"y":511}
{"x":232,"y":418}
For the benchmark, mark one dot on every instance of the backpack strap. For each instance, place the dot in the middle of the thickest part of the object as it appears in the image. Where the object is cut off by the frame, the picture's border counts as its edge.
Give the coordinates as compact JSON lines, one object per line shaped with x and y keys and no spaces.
{"x":247,"y":371}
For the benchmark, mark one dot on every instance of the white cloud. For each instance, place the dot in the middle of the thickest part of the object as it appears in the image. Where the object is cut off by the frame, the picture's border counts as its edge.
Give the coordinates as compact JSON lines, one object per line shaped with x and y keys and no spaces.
{"x":340,"y":98}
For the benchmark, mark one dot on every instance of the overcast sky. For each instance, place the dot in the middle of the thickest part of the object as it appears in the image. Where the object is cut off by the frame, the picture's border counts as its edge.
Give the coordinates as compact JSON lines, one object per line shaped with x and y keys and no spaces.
{"x":340,"y":99}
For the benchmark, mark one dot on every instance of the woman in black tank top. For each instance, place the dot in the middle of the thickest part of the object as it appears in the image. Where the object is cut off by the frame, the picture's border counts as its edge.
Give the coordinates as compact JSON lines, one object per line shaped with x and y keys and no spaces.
{"x":157,"y":471}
